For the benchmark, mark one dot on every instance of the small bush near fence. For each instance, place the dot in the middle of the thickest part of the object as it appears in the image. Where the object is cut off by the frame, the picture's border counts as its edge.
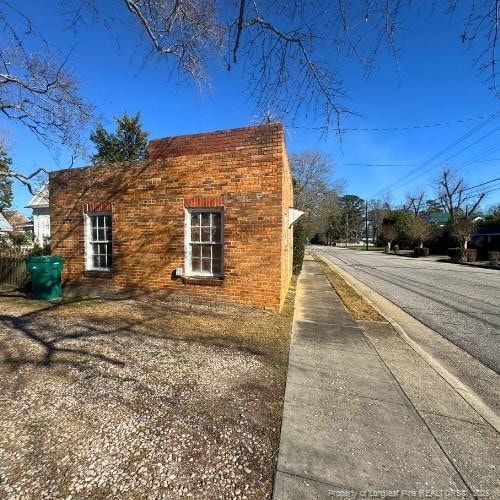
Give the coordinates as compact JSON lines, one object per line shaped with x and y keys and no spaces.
{"x":421,"y":252}
{"x":471,"y":255}
{"x":13,"y":268}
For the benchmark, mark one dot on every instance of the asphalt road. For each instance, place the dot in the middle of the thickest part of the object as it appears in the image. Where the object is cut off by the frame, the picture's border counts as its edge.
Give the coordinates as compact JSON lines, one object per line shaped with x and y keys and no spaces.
{"x":459,"y":302}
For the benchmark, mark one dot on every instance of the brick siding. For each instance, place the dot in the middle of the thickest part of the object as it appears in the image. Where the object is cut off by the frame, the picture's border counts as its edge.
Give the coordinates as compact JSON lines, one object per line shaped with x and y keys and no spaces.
{"x":245,"y":171}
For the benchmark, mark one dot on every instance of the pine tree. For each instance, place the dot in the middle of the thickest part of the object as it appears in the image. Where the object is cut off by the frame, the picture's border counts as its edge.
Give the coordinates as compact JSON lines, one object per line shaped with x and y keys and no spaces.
{"x":5,"y":180}
{"x":129,"y":142}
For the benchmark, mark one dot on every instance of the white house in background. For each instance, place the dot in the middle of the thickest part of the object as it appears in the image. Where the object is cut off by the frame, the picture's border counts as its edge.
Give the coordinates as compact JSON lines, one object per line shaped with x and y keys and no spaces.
{"x":5,"y":227}
{"x":41,"y":217}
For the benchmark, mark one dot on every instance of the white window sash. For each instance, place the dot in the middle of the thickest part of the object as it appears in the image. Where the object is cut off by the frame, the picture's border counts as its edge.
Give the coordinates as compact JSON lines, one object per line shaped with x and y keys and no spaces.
{"x":89,"y":249}
{"x":188,"y":243}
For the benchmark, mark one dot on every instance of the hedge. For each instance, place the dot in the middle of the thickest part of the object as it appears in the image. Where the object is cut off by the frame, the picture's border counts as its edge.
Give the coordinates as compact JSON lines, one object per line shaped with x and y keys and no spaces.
{"x":421,"y":252}
{"x":299,"y":243}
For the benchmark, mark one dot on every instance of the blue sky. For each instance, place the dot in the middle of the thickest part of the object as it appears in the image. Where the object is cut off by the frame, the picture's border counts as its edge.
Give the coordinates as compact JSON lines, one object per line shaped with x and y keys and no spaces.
{"x":436,"y":83}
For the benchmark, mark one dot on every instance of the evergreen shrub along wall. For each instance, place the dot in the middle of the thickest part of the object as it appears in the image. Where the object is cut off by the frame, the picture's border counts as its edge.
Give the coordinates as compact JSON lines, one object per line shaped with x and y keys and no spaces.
{"x":299,"y":242}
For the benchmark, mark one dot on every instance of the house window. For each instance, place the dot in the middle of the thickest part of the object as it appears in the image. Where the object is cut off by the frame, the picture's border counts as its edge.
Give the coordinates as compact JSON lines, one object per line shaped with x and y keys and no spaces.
{"x":98,"y":242}
{"x":204,"y":243}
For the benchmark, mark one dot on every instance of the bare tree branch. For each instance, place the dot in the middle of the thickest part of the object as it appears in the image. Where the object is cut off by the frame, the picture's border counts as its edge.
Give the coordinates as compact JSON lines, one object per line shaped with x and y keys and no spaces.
{"x":36,"y":88}
{"x":481,"y":26}
{"x":454,"y":197}
{"x":27,"y":179}
{"x":414,"y":202}
{"x":290,"y":51}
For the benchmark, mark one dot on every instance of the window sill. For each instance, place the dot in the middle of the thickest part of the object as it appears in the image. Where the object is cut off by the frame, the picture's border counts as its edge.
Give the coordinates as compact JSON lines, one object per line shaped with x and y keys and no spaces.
{"x":98,"y":274}
{"x":202,"y":280}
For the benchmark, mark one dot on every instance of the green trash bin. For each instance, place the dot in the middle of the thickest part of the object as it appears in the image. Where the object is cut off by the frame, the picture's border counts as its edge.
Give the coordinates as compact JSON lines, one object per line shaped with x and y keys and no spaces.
{"x":45,"y":276}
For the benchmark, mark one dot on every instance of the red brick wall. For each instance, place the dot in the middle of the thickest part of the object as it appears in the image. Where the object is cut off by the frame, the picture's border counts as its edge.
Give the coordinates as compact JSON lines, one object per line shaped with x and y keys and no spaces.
{"x":287,"y":231}
{"x":244,"y":169}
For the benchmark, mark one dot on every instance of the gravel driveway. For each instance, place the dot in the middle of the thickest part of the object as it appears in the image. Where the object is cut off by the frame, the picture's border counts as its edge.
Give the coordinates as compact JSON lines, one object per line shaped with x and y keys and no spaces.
{"x":461,"y":303}
{"x":130,"y":399}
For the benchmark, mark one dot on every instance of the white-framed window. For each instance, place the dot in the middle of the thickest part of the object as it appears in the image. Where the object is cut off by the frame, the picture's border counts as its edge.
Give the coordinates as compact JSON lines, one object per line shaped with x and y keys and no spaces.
{"x":204,"y":242}
{"x":98,"y":241}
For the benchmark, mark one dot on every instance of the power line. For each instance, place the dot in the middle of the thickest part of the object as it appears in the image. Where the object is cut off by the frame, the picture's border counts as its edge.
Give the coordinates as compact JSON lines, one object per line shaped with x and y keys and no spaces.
{"x":470,"y":145}
{"x":467,"y":163}
{"x":380,"y":164}
{"x":433,"y":165}
{"x":417,"y":172}
{"x":482,"y":184}
{"x":484,"y":193}
{"x":414,"y":127}
{"x":483,"y":161}
{"x":482,"y":156}
{"x":407,"y":127}
{"x":479,"y":193}
{"x":472,"y":195}
{"x":492,"y":190}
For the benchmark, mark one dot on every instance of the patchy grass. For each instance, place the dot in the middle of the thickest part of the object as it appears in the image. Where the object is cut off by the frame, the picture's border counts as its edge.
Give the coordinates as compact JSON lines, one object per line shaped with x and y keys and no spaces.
{"x":355,"y":303}
{"x":140,"y":399}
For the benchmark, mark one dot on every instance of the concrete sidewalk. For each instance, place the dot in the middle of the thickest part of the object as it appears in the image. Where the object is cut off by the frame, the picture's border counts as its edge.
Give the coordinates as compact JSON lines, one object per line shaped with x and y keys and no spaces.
{"x":349,"y":430}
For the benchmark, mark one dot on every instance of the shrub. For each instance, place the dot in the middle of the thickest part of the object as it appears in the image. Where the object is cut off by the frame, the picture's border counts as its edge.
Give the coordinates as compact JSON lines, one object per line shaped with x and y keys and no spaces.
{"x":37,"y":250}
{"x":493,"y":257}
{"x":21,"y":239}
{"x":471,"y":255}
{"x":455,"y":254}
{"x":299,"y":243}
{"x":395,"y":249}
{"x":421,"y":252}
{"x":440,"y":240}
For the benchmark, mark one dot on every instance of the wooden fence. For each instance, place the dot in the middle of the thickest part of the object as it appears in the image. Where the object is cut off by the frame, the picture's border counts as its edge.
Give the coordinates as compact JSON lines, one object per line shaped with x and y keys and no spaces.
{"x":13,"y":268}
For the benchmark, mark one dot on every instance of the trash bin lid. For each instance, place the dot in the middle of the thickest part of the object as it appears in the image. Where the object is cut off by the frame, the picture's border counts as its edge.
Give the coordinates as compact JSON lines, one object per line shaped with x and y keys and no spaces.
{"x":41,"y":259}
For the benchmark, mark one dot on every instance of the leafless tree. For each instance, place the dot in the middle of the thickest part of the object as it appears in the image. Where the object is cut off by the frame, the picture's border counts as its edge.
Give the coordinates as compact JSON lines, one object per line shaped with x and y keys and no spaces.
{"x":311,"y":171}
{"x":419,"y":230}
{"x":290,"y":52}
{"x":378,"y":211}
{"x":389,"y":233}
{"x":289,"y":48}
{"x":414,"y":202}
{"x":36,"y":88}
{"x":315,"y":191}
{"x":463,"y":230}
{"x":461,"y":205}
{"x":456,"y":198}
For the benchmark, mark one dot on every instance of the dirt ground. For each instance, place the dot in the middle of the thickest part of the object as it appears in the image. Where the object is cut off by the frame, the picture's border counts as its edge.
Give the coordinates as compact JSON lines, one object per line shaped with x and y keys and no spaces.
{"x":139,"y":399}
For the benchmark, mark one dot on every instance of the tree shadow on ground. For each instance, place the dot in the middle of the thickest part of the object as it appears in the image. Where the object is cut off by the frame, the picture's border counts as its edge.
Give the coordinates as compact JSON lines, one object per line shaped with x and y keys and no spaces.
{"x":44,"y":338}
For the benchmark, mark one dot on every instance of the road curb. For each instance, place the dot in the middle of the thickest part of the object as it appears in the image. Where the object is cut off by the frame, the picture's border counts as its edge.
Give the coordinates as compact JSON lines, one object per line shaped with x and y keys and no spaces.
{"x":465,"y":391}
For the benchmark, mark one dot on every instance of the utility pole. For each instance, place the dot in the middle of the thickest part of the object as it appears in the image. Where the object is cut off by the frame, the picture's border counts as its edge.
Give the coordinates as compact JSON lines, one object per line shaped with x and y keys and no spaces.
{"x":366,"y":223}
{"x":346,"y":229}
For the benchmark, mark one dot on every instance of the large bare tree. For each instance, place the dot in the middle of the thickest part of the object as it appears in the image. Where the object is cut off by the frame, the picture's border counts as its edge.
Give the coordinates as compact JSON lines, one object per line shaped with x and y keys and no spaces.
{"x":458,"y":200}
{"x":378,"y":210}
{"x":315,"y":191}
{"x":290,"y":51}
{"x":461,"y":203}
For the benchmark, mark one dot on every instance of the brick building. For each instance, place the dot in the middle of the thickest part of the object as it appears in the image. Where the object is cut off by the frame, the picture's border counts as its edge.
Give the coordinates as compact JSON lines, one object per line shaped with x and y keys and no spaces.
{"x":207,"y":214}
